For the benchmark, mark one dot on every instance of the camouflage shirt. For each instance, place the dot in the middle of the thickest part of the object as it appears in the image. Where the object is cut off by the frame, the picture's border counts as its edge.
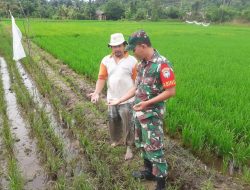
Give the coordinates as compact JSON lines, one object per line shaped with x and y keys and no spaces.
{"x":153,"y":77}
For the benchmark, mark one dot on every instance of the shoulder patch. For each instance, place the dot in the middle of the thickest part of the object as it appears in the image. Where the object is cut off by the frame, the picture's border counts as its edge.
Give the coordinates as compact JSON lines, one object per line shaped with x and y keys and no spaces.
{"x":166,"y":72}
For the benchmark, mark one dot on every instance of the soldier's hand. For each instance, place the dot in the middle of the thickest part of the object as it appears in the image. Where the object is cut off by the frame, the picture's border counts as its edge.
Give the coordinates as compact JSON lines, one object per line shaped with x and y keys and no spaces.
{"x":140,"y":106}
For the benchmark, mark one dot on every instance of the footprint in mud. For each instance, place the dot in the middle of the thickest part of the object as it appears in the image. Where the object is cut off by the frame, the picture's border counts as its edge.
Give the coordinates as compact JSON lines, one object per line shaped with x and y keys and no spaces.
{"x":27,"y":151}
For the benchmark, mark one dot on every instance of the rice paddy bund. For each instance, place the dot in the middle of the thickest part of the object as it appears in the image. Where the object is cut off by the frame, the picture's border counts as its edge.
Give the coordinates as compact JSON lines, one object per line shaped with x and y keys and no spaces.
{"x":212,"y":67}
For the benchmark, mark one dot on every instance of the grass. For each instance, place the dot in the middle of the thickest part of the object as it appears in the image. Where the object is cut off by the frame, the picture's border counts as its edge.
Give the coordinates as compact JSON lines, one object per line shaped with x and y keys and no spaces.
{"x":211,"y":66}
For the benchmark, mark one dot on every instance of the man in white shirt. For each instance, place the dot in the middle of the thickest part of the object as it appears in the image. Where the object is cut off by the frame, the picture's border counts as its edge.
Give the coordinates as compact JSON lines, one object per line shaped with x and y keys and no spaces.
{"x":119,"y":71}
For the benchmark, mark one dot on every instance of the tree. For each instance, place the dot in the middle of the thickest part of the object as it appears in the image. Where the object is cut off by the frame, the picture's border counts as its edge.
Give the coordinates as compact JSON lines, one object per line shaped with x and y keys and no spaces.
{"x":246,"y":14}
{"x":141,"y":14}
{"x":196,"y":10}
{"x":173,"y":12}
{"x":114,"y":10}
{"x":89,"y":11}
{"x":155,"y":10}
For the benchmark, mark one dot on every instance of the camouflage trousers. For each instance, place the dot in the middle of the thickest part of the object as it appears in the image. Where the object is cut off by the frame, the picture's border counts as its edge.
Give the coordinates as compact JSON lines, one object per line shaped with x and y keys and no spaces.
{"x":150,"y":137}
{"x":120,"y":123}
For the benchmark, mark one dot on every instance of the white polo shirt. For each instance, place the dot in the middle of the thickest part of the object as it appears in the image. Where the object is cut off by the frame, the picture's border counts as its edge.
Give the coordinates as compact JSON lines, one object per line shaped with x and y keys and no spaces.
{"x":120,"y":76}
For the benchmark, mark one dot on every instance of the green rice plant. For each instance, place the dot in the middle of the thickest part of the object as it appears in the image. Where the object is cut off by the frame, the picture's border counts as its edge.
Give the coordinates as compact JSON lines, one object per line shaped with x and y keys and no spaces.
{"x":207,"y":185}
{"x":60,"y":183}
{"x":246,"y":174}
{"x":225,"y":165}
{"x":8,"y":139}
{"x":242,"y":154}
{"x":15,"y":178}
{"x":54,"y":163}
{"x":81,"y":182}
{"x":197,"y":139}
{"x":186,"y":136}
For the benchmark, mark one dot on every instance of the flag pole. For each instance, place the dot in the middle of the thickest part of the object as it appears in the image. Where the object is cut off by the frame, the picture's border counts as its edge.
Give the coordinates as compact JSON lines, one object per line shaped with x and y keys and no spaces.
{"x":27,"y":37}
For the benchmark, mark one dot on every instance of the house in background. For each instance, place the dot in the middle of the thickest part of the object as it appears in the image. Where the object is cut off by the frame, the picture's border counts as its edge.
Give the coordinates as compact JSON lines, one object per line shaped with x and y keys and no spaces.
{"x":100,"y":15}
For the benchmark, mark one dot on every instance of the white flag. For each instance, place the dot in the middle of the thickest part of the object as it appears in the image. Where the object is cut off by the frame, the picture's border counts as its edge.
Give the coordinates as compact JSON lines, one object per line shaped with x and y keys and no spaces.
{"x":18,"y":51}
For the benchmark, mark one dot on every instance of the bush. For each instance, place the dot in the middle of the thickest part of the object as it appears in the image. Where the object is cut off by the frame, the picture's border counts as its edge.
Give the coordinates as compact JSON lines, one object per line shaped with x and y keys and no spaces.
{"x":246,"y":15}
{"x":141,"y":14}
{"x":173,"y":12}
{"x":221,"y":14}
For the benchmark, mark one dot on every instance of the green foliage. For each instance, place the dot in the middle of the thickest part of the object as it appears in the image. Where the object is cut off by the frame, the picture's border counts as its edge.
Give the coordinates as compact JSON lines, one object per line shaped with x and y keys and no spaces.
{"x":155,"y":9}
{"x":114,"y":10}
{"x":141,"y":14}
{"x":221,"y":14}
{"x":216,"y":11}
{"x":173,"y":12}
{"x":246,"y":174}
{"x":246,"y":14}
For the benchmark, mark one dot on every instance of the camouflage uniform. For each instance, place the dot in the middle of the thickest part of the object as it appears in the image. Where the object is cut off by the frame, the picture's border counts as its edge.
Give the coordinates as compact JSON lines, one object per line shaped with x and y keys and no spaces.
{"x":149,"y":123}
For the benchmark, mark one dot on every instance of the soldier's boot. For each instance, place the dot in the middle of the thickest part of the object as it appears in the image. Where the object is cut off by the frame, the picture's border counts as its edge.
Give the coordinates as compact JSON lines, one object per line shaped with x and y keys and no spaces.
{"x":146,"y":173}
{"x":161,"y":183}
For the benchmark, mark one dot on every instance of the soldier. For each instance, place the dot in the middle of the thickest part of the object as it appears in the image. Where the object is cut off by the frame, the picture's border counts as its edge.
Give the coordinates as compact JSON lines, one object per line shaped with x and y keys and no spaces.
{"x":119,"y":70}
{"x":154,"y":84}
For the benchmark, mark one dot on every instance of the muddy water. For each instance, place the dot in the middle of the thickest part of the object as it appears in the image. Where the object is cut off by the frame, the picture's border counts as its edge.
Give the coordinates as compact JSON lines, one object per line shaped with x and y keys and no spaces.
{"x":72,"y":149}
{"x":25,"y":148}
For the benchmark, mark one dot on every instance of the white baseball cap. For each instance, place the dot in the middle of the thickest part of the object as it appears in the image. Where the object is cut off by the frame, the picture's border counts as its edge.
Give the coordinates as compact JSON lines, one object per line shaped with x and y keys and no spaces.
{"x":116,"y":39}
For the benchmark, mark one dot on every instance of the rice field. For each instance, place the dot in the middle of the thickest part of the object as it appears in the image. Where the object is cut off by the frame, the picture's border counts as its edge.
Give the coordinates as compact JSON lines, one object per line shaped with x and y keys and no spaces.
{"x":212,"y":105}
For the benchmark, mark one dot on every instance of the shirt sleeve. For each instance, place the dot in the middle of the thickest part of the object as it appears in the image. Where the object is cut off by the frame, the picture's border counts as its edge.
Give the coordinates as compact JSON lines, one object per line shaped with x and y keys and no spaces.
{"x":138,"y":76}
{"x":134,"y":72}
{"x":103,"y":73}
{"x":167,"y":76}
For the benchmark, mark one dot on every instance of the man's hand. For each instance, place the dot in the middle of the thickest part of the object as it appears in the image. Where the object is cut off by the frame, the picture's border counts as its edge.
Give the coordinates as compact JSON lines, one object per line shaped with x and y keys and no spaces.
{"x":94,"y":97}
{"x":140,"y":106}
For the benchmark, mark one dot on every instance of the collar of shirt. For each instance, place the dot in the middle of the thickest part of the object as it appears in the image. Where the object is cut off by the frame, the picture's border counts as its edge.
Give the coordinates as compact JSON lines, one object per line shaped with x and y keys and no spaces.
{"x":153,"y":58}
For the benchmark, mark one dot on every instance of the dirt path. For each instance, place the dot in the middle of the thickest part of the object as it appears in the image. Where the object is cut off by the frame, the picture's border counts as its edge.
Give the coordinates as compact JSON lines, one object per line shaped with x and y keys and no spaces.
{"x":25,"y":147}
{"x":187,"y":172}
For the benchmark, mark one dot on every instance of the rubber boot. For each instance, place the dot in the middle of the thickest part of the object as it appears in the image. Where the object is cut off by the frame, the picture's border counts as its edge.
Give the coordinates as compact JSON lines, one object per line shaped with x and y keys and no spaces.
{"x":146,"y":173}
{"x":161,"y":183}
